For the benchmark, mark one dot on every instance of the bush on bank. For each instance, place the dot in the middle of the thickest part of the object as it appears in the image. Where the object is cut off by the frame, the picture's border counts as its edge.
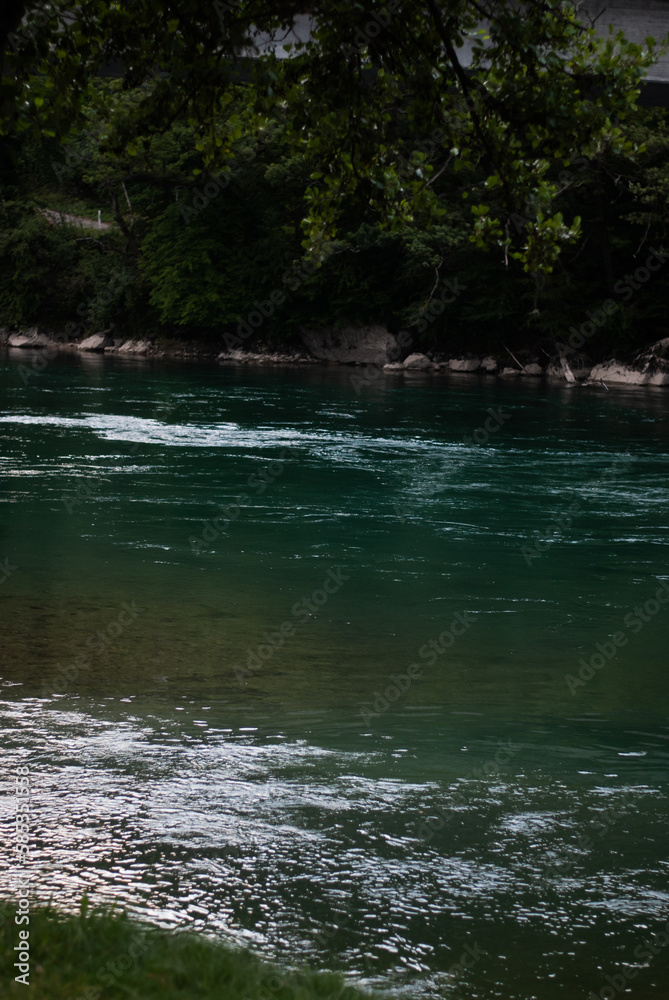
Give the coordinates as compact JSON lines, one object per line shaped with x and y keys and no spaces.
{"x":106,"y":956}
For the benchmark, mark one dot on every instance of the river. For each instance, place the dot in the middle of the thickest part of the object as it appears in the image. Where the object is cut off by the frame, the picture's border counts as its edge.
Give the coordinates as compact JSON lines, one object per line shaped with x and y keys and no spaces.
{"x":366,"y":676}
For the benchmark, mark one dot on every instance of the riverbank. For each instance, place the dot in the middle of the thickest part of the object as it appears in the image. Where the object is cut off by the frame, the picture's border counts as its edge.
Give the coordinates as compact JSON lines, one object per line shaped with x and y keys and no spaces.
{"x":105,"y":954}
{"x":374,"y":350}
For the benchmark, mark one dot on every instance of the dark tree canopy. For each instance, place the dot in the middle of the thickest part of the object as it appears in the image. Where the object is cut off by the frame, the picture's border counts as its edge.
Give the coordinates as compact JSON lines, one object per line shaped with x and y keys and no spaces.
{"x":539,"y":91}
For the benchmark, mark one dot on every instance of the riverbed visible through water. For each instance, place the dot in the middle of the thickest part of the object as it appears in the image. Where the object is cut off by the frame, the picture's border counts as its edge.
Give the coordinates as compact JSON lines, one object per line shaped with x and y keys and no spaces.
{"x":368,"y":677}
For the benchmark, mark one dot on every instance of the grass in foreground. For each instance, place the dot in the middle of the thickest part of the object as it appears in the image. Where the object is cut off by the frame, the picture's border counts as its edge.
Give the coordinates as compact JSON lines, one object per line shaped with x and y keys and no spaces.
{"x":106,"y":956}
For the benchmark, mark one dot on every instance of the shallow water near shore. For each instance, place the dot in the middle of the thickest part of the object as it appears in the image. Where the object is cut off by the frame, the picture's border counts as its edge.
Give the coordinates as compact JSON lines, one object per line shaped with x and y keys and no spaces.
{"x":216,"y":583}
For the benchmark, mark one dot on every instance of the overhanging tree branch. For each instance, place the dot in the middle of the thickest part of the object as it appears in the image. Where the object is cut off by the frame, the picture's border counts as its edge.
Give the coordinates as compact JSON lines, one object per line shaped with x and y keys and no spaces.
{"x":466,"y":88}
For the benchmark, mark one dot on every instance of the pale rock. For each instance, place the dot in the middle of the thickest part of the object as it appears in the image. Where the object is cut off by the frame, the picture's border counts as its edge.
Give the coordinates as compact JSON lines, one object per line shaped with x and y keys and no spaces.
{"x":134,"y":347}
{"x":464,"y":364}
{"x":234,"y":355}
{"x":363,"y":345}
{"x":489,"y":364}
{"x":659,"y":349}
{"x":615,"y":371}
{"x":96,"y":342}
{"x":650,"y":373}
{"x":29,"y":339}
{"x":532,"y":369}
{"x":417,"y":362}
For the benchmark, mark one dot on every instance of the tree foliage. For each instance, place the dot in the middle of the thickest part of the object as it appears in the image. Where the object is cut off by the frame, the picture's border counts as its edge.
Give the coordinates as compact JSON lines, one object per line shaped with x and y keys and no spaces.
{"x":378,"y":98}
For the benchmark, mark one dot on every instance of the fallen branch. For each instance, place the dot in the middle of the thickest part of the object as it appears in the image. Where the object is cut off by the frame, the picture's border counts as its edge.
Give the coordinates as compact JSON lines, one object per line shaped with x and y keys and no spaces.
{"x":522,"y":367}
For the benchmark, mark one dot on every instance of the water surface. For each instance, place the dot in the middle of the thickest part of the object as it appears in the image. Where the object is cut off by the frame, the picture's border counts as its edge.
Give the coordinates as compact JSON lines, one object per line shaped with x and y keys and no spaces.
{"x":222,"y":580}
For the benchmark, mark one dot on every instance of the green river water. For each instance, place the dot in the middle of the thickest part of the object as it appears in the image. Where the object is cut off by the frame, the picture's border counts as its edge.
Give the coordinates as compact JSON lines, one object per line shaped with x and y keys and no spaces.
{"x":218,"y":595}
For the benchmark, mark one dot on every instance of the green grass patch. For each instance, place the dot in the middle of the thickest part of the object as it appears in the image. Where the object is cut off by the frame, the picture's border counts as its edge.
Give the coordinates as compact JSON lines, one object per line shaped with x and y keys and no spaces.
{"x":104,"y":955}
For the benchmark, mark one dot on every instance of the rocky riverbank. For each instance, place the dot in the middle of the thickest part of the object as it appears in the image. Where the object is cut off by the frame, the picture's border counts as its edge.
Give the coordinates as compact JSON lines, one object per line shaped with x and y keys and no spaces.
{"x":374,"y":349}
